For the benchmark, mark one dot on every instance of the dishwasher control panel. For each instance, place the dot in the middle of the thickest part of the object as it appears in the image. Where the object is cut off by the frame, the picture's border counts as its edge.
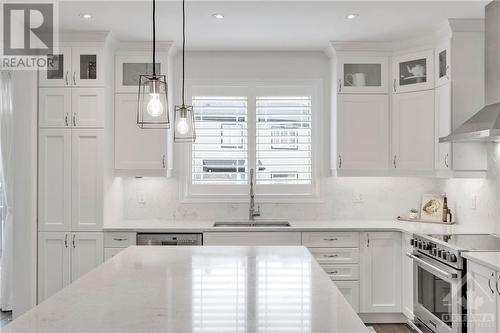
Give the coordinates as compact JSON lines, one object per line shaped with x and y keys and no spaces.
{"x":164,"y":239}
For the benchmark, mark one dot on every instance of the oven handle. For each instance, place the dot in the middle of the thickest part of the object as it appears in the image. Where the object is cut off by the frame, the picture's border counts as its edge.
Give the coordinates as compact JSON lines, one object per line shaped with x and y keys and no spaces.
{"x":432,"y":267}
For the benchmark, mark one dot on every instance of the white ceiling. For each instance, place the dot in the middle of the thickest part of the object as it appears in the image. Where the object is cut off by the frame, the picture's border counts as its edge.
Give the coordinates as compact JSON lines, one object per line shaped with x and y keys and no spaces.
{"x":268,"y":25}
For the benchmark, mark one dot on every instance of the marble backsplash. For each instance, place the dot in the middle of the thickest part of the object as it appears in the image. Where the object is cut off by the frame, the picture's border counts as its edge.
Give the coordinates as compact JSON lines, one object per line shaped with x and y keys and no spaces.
{"x":473,"y":201}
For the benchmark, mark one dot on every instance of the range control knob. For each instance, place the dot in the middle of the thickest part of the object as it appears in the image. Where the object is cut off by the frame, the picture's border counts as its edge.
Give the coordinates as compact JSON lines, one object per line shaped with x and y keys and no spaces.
{"x":434,"y":251}
{"x":420,"y":244}
{"x":428,"y":246}
{"x":412,"y":241}
{"x":445,"y":255}
{"x":439,"y":252}
{"x":452,"y":258}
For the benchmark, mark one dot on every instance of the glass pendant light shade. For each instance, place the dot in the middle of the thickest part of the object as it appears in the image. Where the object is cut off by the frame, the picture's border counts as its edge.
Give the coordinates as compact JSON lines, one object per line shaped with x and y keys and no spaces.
{"x":152,"y":108}
{"x":184,"y":124}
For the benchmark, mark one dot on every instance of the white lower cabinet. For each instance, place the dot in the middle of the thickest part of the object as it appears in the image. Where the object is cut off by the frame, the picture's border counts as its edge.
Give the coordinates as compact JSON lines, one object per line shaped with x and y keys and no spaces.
{"x":110,"y":252}
{"x":117,"y":241}
{"x":350,"y":290}
{"x":407,"y":277}
{"x":64,"y":256}
{"x":251,"y":238}
{"x":482,"y":299}
{"x":380,"y":265}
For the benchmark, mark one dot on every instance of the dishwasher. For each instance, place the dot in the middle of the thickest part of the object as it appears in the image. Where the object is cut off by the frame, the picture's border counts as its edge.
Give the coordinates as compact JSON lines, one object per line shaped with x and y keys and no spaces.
{"x":169,"y":239}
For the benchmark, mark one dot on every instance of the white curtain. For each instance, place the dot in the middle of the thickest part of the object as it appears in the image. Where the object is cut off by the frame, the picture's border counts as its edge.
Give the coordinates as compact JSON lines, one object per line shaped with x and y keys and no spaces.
{"x":7,"y":174}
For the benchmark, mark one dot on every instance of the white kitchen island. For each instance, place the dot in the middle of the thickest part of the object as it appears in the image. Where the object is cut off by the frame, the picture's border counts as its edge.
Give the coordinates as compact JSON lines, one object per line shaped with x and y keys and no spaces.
{"x":198,"y":289}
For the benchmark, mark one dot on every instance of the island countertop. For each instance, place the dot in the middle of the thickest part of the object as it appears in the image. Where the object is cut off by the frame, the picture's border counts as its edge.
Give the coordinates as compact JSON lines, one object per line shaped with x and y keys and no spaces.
{"x":197,"y":289}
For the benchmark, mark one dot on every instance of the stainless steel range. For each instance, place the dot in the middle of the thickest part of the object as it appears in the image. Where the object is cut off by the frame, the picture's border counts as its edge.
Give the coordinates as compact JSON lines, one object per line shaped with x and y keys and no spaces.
{"x":440,"y":276}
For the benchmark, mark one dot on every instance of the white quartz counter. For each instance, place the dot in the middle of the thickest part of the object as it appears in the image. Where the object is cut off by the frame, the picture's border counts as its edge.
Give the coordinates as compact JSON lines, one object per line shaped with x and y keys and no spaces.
{"x":197,"y":289}
{"x":488,"y":259}
{"x":339,"y":225}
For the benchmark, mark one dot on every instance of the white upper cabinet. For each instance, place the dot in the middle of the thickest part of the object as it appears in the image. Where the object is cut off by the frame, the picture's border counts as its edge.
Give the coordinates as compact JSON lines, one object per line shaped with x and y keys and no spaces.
{"x":58,"y":72}
{"x":87,"y":63}
{"x":87,"y":107}
{"x":54,"y":262}
{"x":413,"y":72}
{"x":54,"y":107}
{"x":87,"y":252}
{"x":413,"y":131}
{"x":380,"y":289}
{"x":87,"y":180}
{"x":74,"y":66}
{"x":136,"y":148}
{"x":362,"y":75}
{"x":363,"y":132}
{"x":443,"y":160}
{"x":442,"y":58}
{"x":129,"y":67}
{"x":54,"y":186}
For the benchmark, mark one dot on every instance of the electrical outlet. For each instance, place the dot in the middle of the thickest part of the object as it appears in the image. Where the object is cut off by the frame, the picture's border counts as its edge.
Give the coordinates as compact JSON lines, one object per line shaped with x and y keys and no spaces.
{"x":140,"y":198}
{"x":473,"y":202}
{"x":357,"y":198}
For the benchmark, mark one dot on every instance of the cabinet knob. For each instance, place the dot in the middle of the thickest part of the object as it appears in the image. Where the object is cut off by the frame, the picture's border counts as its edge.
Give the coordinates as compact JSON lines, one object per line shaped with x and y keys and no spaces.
{"x":340,"y":161}
{"x":394,"y":162}
{"x":340,"y":85}
{"x":66,"y":119}
{"x":394,"y":85}
{"x":446,"y":161}
{"x":66,"y":78}
{"x":74,"y":78}
{"x":66,"y":240}
{"x":73,"y":241}
{"x":163,"y":162}
{"x":74,"y":119}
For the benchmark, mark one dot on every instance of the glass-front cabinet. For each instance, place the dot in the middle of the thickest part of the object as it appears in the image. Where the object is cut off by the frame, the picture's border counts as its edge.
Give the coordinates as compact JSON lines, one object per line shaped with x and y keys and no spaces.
{"x":443,"y":63}
{"x":74,"y":66}
{"x":362,"y":75}
{"x":413,"y":72}
{"x":129,"y":67}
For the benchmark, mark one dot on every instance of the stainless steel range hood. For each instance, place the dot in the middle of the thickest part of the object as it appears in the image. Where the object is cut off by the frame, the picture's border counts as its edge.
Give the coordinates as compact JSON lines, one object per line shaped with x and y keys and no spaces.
{"x":485,"y":124}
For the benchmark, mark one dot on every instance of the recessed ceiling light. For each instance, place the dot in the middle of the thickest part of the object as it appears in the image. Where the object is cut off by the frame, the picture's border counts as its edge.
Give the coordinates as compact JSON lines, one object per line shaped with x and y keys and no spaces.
{"x":86,"y":16}
{"x":218,"y":16}
{"x":351,"y":16}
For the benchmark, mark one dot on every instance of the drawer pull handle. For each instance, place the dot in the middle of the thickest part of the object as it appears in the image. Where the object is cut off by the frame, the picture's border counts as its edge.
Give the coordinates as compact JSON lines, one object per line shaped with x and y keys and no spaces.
{"x":331,"y":255}
{"x":333,"y":272}
{"x":330,"y":239}
{"x":120,"y":239}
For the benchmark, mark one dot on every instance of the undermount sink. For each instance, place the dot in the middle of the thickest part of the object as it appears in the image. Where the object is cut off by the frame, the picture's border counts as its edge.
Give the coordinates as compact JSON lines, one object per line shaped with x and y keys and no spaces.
{"x":249,"y":224}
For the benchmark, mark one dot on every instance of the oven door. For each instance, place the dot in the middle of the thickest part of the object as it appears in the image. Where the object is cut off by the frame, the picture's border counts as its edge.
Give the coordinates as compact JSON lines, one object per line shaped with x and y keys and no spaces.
{"x":437,"y":295}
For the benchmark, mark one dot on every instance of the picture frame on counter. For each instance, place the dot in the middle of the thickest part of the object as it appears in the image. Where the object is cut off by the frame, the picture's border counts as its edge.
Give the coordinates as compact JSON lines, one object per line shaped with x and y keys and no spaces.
{"x":432,"y":207}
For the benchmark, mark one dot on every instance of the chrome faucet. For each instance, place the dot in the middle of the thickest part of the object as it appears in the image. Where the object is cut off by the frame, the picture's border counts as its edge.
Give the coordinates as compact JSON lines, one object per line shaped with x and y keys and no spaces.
{"x":252,"y":213}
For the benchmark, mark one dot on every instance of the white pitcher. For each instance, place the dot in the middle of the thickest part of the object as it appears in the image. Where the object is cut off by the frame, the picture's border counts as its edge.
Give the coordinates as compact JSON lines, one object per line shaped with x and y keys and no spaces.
{"x":356,"y":79}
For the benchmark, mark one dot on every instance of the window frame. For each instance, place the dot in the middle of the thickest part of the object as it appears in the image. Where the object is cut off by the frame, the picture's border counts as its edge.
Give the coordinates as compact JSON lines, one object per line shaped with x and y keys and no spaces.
{"x":253,"y":88}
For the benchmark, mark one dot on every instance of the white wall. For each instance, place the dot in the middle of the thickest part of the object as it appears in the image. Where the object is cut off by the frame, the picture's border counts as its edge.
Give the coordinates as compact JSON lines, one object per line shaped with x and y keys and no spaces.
{"x":25,"y":166}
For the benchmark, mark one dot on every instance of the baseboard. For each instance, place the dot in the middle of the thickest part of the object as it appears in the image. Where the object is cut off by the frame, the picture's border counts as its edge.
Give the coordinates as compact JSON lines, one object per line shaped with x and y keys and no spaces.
{"x":383,"y":318}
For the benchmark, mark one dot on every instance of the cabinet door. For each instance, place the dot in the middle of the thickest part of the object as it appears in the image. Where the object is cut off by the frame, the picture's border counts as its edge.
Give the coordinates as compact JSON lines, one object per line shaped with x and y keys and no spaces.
{"x":54,"y":180}
{"x":443,"y":61}
{"x":86,"y":252}
{"x":443,"y":127}
{"x":54,"y":107}
{"x":87,"y":107}
{"x":87,"y":180}
{"x":53,"y":263}
{"x":251,"y":238}
{"x":481,"y":299}
{"x":380,"y":262}
{"x":350,"y":290}
{"x":87,"y":67}
{"x":413,"y":72}
{"x":413,"y":131}
{"x":58,"y":72}
{"x":136,"y":148}
{"x":110,"y":252}
{"x":407,"y":277}
{"x":364,"y":75}
{"x":129,"y":67}
{"x":361,"y":117}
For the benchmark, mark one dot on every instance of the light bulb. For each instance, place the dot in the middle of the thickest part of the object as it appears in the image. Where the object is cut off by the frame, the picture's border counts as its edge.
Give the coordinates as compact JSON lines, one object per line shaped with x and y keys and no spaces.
{"x":155,"y":108}
{"x":182,"y":126}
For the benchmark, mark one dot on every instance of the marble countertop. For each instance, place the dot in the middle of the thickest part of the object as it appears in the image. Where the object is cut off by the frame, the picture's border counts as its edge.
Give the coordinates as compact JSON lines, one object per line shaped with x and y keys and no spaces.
{"x":337,"y":225}
{"x":197,"y":289}
{"x":488,"y":259}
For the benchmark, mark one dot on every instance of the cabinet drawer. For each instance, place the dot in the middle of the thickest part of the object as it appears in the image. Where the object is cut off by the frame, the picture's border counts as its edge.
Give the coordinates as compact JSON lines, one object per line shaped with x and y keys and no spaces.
{"x":330,"y":239}
{"x":326,"y":255}
{"x":350,"y":290}
{"x":110,"y":252}
{"x":342,"y":272}
{"x":119,"y":239}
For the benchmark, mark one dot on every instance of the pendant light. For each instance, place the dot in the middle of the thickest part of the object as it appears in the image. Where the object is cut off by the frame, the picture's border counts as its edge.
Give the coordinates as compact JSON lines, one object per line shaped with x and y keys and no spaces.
{"x":184,"y":118}
{"x":152,"y":108}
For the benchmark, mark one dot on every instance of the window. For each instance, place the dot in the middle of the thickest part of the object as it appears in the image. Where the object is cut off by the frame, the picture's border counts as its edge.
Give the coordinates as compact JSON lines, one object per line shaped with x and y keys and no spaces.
{"x":268,"y":126}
